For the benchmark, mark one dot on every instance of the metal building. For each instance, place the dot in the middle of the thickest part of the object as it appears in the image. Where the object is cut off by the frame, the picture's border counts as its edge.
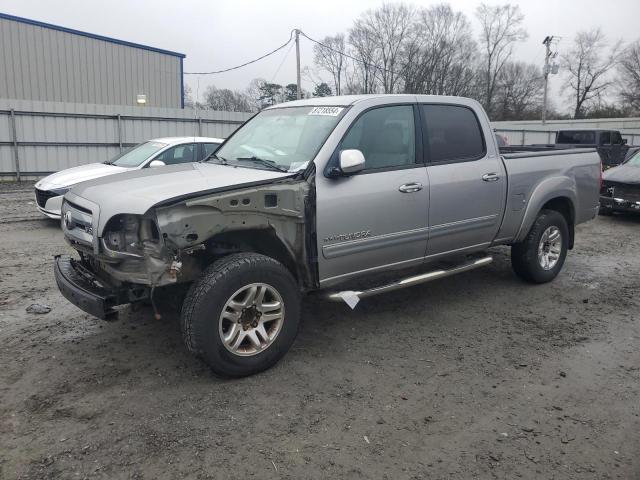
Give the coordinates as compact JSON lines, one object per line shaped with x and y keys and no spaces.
{"x":40,"y":61}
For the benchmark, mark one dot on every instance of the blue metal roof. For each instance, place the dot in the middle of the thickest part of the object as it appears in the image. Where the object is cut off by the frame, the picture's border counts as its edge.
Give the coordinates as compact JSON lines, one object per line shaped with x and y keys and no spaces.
{"x":89,"y":35}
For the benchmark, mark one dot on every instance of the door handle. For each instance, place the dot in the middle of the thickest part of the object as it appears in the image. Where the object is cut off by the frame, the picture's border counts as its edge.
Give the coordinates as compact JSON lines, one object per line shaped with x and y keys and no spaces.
{"x":410,"y":187}
{"x":490,"y":177}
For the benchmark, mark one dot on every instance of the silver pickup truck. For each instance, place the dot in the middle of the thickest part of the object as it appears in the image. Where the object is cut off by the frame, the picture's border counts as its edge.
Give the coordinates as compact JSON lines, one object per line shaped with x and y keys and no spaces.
{"x":350,"y":196}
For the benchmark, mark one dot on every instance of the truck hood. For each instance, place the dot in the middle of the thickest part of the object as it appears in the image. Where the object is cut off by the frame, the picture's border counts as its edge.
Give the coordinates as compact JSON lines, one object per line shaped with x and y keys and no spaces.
{"x":71,"y":176}
{"x":137,"y":191}
{"x":623,"y":174}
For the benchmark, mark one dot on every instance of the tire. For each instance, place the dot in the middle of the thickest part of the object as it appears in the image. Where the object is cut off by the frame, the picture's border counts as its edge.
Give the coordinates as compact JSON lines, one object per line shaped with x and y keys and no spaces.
{"x":525,"y":260}
{"x":224,"y":287}
{"x":605,"y":212}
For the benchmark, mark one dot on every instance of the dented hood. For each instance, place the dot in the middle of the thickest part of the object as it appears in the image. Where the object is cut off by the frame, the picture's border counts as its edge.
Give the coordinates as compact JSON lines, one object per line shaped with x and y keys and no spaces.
{"x":623,"y":174}
{"x":137,"y":191}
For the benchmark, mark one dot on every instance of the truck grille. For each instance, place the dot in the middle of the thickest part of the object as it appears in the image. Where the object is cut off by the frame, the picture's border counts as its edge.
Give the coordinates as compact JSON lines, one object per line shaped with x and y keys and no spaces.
{"x":43,"y":195}
{"x":77,"y":223}
{"x":626,"y":192}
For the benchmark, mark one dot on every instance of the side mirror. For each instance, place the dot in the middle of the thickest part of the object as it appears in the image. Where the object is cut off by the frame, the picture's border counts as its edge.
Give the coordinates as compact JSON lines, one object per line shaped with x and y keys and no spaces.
{"x":351,"y":161}
{"x":156,"y":163}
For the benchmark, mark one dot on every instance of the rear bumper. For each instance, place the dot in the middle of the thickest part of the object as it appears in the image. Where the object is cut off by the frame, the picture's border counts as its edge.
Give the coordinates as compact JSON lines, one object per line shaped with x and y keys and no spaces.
{"x":83,"y":288}
{"x":620,"y":204}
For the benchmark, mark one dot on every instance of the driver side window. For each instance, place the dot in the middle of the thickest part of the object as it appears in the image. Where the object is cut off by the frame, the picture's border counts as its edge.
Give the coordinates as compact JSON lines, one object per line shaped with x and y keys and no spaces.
{"x":385,"y":136}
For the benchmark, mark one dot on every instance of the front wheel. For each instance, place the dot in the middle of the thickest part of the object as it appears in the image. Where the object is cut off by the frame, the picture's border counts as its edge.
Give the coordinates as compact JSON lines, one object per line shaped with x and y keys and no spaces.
{"x":540,"y":256}
{"x":242,"y":315}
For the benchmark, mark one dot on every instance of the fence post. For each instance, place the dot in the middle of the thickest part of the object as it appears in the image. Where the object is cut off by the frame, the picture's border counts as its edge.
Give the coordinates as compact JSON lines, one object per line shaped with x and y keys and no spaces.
{"x":199,"y":126}
{"x":549,"y":136}
{"x":14,"y":135}
{"x":120,"y":132}
{"x":522,"y":138}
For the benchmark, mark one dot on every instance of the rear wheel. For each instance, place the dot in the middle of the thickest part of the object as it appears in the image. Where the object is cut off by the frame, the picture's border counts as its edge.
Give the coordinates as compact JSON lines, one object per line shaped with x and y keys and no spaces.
{"x":242,"y":315}
{"x":540,"y":256}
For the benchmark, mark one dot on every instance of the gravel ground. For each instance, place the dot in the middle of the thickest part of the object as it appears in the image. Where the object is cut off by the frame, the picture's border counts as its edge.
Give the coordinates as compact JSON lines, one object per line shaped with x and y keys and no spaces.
{"x":474,"y":376}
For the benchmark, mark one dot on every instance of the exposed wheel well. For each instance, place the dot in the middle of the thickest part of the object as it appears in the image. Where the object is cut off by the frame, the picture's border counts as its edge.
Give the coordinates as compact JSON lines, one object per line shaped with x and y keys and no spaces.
{"x":263,"y":241}
{"x":565,"y":207}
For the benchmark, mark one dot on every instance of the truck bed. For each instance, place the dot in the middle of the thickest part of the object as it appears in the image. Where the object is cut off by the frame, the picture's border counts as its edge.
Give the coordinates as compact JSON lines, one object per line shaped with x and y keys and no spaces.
{"x":572,"y":173}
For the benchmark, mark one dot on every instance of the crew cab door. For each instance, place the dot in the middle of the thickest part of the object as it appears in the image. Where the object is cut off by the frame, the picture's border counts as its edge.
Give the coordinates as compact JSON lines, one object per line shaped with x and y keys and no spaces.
{"x":375,"y":218}
{"x":466,"y":177}
{"x":618,"y":148}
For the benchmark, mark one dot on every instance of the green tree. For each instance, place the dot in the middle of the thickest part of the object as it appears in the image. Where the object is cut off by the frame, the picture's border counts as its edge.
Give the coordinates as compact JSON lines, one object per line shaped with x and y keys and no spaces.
{"x":322,"y":90}
{"x":290,"y":92}
{"x":270,"y":93}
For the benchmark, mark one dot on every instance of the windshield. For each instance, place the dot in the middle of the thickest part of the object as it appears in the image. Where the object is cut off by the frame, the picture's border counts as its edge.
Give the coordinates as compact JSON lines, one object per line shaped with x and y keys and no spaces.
{"x":634,"y":161}
{"x":136,"y":155}
{"x":287,"y":137}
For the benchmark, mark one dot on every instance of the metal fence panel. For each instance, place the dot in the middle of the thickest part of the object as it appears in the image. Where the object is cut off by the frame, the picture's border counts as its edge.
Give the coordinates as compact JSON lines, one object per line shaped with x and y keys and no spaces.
{"x":53,"y":136}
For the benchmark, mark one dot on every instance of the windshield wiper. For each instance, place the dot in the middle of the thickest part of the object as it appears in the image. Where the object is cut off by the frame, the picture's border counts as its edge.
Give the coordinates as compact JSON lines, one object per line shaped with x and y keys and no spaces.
{"x":223,"y":161}
{"x":267,"y":163}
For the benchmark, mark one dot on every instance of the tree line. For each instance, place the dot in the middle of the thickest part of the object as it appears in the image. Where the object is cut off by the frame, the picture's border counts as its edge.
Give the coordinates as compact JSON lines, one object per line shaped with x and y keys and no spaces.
{"x":401,"y":48}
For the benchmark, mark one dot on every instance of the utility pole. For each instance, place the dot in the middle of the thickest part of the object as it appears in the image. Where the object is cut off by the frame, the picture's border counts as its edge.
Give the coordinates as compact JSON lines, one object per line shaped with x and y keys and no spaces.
{"x":547,"y":43}
{"x":299,"y":89}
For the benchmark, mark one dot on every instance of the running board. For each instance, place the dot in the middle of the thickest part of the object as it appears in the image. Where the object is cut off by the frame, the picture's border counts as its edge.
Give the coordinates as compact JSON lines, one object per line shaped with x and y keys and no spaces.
{"x":352,"y":298}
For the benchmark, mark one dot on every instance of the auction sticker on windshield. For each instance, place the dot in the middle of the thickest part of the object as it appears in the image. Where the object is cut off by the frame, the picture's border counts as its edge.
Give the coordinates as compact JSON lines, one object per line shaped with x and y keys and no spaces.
{"x":330,"y":111}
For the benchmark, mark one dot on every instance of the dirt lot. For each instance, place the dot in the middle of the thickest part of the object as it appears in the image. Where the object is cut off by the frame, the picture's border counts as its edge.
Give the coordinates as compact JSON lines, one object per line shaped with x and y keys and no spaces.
{"x":475,"y":376}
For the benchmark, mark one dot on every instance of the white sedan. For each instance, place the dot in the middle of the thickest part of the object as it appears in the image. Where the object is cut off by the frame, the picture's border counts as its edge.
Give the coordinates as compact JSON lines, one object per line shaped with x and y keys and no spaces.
{"x":154,"y":153}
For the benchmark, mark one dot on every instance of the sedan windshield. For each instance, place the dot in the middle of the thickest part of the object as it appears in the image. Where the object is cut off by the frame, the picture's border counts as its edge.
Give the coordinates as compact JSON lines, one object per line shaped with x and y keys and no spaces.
{"x":286,"y":138}
{"x":634,"y":161}
{"x":136,"y":155}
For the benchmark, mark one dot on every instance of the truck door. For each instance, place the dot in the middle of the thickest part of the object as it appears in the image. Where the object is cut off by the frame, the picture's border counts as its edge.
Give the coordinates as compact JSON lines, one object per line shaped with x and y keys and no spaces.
{"x":466,"y":178}
{"x":376,"y":218}
{"x":618,"y":148}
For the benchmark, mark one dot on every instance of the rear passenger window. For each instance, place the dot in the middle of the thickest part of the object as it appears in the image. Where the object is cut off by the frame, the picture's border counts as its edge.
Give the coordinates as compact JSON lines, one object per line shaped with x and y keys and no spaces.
{"x":452,"y":133}
{"x":385,"y":136}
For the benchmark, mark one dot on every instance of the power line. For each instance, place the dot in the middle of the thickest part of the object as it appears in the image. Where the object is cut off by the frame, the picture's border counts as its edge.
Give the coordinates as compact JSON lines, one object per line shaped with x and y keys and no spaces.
{"x":349,"y":56}
{"x":246,"y":63}
{"x":286,"y":55}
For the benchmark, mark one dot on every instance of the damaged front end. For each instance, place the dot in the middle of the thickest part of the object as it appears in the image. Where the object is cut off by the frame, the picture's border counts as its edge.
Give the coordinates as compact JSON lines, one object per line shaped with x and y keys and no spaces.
{"x":175,"y":240}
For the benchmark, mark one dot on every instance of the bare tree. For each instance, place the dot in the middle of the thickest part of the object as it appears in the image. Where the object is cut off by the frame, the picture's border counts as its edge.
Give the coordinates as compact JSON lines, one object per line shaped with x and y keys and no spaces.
{"x":387,"y":28}
{"x":588,"y":64}
{"x":501,"y":27}
{"x":519,"y":91}
{"x":439,"y":54}
{"x":226,"y":100}
{"x":629,"y":72}
{"x":365,"y":53}
{"x":331,"y":58}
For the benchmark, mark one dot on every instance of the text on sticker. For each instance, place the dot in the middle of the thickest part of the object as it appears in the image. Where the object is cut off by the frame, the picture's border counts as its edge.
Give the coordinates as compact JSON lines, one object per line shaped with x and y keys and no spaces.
{"x":331,"y":111}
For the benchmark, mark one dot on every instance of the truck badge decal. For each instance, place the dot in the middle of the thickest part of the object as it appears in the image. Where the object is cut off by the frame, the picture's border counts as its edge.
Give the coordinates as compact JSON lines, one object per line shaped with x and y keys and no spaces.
{"x":348,"y":236}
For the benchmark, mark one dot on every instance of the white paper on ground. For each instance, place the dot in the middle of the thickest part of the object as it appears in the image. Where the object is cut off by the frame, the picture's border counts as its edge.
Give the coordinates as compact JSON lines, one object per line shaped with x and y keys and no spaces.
{"x":350,"y":298}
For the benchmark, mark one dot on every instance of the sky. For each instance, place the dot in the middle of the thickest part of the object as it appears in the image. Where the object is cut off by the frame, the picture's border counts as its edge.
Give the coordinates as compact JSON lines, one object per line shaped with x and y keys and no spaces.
{"x":219,"y":34}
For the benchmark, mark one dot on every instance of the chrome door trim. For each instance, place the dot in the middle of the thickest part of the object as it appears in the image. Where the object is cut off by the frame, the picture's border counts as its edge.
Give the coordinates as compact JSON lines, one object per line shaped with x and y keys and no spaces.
{"x":462,"y":225}
{"x":372,"y":243}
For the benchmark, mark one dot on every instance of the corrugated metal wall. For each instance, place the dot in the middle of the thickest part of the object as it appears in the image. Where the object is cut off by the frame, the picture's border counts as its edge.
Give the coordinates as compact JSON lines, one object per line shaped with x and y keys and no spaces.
{"x":39,"y":63}
{"x":54,"y":136}
{"x":526,"y":132}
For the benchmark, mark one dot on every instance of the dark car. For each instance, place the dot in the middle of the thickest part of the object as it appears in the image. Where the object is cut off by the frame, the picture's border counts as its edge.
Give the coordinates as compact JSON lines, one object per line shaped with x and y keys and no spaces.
{"x":611,"y":147}
{"x":621,"y":187}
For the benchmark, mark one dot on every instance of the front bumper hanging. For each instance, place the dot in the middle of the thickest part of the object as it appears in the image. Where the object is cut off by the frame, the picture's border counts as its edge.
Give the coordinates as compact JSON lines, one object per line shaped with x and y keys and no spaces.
{"x":87,"y":292}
